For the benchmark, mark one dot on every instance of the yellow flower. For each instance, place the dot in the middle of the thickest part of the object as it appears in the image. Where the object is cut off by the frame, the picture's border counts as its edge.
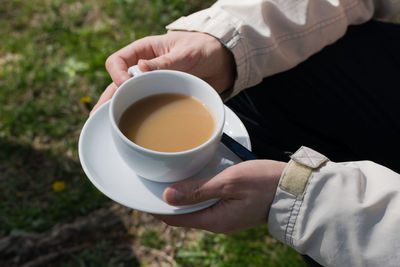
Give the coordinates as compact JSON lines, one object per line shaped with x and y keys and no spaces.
{"x":86,"y":99}
{"x":59,"y":186}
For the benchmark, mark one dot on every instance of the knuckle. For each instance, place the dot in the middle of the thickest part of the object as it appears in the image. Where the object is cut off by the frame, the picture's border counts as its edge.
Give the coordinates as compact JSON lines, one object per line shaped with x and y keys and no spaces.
{"x":232,"y":180}
{"x":228,"y":188}
{"x":146,"y":39}
{"x":196,"y":194}
{"x":191,"y":55}
{"x":168,"y":61}
{"x":231,"y":172}
{"x":236,"y":171}
{"x":109,"y":61}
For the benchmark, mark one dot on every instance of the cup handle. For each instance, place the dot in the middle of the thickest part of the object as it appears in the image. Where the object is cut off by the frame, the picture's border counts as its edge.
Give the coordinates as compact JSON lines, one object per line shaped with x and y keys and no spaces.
{"x":134,"y":71}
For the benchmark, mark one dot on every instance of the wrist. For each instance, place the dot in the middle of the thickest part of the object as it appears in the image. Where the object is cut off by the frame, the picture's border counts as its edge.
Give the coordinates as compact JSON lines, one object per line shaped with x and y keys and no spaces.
{"x":279,"y":169}
{"x":291,"y":192}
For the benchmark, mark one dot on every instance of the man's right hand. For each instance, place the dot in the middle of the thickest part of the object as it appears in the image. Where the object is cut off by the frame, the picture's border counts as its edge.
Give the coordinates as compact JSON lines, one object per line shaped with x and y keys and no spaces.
{"x":196,"y":53}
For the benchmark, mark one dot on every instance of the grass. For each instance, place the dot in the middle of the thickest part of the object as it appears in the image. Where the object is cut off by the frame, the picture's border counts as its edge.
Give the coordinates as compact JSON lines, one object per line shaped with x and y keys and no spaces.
{"x":52,"y":55}
{"x":29,"y":202}
{"x":249,"y":248}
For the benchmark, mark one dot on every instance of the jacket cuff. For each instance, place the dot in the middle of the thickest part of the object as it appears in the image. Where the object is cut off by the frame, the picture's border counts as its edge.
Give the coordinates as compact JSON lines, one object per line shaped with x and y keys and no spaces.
{"x":290,"y":193}
{"x":225,"y":27}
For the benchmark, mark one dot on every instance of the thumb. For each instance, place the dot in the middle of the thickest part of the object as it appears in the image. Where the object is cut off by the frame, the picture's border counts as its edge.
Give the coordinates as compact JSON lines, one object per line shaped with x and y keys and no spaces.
{"x":164,"y":62}
{"x":192,"y":191}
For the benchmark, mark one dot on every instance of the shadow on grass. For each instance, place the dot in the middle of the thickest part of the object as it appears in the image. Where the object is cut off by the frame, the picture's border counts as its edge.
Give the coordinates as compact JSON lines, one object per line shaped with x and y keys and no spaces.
{"x":42,"y":224}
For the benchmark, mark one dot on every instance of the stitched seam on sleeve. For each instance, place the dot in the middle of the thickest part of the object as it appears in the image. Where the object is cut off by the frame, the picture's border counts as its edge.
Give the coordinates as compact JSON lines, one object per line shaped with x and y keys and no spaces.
{"x":288,"y":224}
{"x":291,"y":36}
{"x":235,"y":42}
{"x":290,"y":235}
{"x":276,"y":44}
{"x":298,"y":212}
{"x":235,"y":23}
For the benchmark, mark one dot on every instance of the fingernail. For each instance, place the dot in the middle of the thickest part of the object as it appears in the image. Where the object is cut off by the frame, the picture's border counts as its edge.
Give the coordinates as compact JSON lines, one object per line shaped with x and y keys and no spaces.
{"x":172,"y":195}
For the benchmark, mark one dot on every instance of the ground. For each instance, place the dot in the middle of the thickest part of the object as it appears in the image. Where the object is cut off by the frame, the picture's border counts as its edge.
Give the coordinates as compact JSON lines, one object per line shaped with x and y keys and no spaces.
{"x":52,"y":55}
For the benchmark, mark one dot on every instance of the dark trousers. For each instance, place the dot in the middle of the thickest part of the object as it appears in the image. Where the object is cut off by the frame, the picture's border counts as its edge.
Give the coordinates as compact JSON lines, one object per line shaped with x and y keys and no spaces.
{"x":343,"y":102}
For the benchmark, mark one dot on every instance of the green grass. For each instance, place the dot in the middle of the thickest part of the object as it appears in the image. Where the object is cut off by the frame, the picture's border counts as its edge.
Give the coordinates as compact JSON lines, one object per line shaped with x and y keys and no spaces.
{"x":249,"y":248}
{"x":52,"y":53}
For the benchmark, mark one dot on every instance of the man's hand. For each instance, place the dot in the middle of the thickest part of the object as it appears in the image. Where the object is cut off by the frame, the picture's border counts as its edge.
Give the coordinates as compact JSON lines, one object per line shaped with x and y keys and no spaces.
{"x":197,"y":53}
{"x":245,"y":190}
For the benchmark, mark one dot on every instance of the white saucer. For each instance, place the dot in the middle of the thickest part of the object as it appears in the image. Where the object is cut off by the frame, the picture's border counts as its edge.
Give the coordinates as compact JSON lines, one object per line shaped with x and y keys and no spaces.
{"x":110,"y":174}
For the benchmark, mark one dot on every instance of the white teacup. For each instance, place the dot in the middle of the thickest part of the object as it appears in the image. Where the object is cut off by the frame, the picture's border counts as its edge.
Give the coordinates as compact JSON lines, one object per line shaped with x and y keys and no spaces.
{"x":165,"y":166}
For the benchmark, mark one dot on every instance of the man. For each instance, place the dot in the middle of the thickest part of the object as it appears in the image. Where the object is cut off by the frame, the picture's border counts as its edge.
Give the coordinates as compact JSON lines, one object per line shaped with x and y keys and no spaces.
{"x":340,"y":100}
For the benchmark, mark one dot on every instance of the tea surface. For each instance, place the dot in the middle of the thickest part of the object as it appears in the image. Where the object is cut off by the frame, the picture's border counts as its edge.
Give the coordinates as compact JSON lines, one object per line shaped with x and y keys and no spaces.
{"x":167,"y":122}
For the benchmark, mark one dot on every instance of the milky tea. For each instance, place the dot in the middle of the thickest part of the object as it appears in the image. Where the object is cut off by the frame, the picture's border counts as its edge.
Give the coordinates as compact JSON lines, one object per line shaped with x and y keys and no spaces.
{"x":167,"y":122}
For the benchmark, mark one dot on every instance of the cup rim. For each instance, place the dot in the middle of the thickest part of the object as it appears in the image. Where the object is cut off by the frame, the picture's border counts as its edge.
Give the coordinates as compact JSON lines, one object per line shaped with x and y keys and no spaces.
{"x":215,"y":135}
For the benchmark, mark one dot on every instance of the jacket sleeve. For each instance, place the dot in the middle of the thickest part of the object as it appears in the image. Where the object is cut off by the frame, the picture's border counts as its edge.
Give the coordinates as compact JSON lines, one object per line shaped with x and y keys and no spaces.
{"x":270,"y":36}
{"x":340,"y":214}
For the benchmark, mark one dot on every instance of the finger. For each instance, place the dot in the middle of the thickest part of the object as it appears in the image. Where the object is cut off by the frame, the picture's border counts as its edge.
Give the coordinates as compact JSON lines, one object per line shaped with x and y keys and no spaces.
{"x":118,"y":63}
{"x":173,"y":60}
{"x":118,"y":69}
{"x":193,"y":191}
{"x":206,"y":219}
{"x":105,"y":96}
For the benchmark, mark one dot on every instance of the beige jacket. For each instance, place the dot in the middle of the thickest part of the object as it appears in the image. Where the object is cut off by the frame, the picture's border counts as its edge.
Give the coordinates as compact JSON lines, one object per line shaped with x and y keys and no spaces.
{"x":340,"y":214}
